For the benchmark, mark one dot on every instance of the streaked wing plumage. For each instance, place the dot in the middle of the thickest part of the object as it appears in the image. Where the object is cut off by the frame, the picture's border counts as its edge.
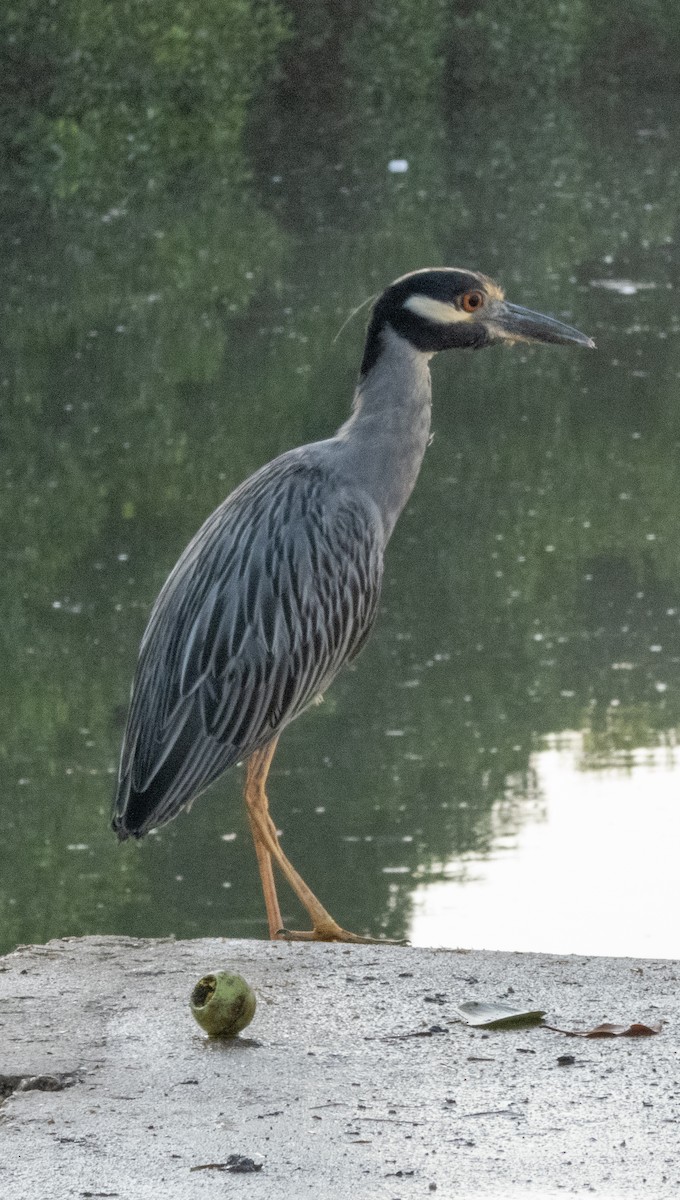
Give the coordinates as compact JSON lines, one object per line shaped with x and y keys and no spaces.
{"x":277,"y":590}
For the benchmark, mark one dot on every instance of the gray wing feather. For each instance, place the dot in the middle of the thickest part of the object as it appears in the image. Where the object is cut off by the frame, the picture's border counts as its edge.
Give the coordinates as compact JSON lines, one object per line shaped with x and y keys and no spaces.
{"x":277,"y":590}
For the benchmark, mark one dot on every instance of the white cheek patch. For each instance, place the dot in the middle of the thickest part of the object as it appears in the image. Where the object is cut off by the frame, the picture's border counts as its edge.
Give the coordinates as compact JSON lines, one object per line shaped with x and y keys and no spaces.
{"x":436,"y":310}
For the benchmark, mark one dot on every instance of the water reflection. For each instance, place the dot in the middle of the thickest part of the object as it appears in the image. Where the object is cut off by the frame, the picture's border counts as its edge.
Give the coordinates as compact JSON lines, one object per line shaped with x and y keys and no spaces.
{"x":591,"y":871}
{"x":158,"y":343}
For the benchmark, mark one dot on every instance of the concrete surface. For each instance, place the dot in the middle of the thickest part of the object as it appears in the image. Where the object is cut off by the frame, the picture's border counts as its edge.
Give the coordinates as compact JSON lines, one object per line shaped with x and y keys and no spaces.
{"x":357,"y":1080}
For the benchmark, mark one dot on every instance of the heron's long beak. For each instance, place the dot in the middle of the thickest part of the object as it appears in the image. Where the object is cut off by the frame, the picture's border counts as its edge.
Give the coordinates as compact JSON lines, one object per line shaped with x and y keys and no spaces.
{"x":521,"y":324}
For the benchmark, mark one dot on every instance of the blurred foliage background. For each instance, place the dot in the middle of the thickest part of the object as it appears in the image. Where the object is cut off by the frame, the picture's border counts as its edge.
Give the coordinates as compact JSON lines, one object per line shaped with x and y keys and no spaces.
{"x":193,"y":195}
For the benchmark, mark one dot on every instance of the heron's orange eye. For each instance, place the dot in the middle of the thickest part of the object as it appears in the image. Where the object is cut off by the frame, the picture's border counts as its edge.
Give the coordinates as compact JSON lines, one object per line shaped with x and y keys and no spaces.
{"x":472,"y":301}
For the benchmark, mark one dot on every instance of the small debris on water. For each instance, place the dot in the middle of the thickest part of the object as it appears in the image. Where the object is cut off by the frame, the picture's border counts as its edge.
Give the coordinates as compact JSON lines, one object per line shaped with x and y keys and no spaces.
{"x":623,"y":287}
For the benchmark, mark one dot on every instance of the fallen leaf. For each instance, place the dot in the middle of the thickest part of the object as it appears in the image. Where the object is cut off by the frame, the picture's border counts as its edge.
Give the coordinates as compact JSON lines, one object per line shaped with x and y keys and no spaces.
{"x":608,"y":1030}
{"x":499,"y":1016}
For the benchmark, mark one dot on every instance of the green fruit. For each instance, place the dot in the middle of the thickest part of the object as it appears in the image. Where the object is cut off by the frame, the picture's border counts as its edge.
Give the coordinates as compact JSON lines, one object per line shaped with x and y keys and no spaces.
{"x":223,"y":1003}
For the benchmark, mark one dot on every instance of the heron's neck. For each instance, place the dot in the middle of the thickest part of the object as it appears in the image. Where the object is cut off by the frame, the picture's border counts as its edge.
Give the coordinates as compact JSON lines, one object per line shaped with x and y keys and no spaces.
{"x":385,"y":438}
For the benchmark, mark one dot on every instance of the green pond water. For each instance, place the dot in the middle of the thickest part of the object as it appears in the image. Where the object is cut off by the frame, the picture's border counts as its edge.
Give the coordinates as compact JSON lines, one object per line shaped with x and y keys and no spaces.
{"x":160,"y":340}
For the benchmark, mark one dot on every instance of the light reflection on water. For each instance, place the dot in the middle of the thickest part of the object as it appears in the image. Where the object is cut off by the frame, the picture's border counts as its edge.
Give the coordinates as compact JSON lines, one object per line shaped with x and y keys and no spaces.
{"x":593,"y":870}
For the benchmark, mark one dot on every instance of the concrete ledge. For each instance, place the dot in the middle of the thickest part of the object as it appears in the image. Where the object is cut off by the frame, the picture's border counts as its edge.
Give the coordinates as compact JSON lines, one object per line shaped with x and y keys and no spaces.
{"x":108,"y":1088}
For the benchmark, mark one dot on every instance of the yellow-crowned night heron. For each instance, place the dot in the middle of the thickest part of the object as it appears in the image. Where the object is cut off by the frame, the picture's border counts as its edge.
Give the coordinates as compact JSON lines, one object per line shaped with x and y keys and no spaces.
{"x":280,"y":586}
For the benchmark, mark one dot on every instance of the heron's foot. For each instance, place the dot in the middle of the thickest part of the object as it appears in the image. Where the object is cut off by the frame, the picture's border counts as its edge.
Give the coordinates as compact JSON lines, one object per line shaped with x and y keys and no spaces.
{"x":330,"y":931}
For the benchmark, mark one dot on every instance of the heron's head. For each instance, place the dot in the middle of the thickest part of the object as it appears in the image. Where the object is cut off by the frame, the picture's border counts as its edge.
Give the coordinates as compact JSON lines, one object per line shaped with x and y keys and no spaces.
{"x":448,"y":309}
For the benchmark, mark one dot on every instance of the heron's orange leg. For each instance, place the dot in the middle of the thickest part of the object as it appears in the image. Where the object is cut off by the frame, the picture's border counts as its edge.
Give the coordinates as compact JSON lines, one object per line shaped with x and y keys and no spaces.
{"x":264,"y":862}
{"x":267,"y":847}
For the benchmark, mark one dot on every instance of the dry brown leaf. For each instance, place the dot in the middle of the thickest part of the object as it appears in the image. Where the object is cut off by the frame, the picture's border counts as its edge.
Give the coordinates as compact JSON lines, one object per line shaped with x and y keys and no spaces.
{"x":606,"y":1029}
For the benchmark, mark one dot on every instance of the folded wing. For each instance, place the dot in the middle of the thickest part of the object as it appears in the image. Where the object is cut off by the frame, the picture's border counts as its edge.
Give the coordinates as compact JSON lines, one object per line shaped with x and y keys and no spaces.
{"x":277,"y":590}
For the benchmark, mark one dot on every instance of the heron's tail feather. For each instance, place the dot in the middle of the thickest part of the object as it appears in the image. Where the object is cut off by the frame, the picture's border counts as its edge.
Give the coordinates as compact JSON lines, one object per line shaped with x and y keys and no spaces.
{"x":192,"y":764}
